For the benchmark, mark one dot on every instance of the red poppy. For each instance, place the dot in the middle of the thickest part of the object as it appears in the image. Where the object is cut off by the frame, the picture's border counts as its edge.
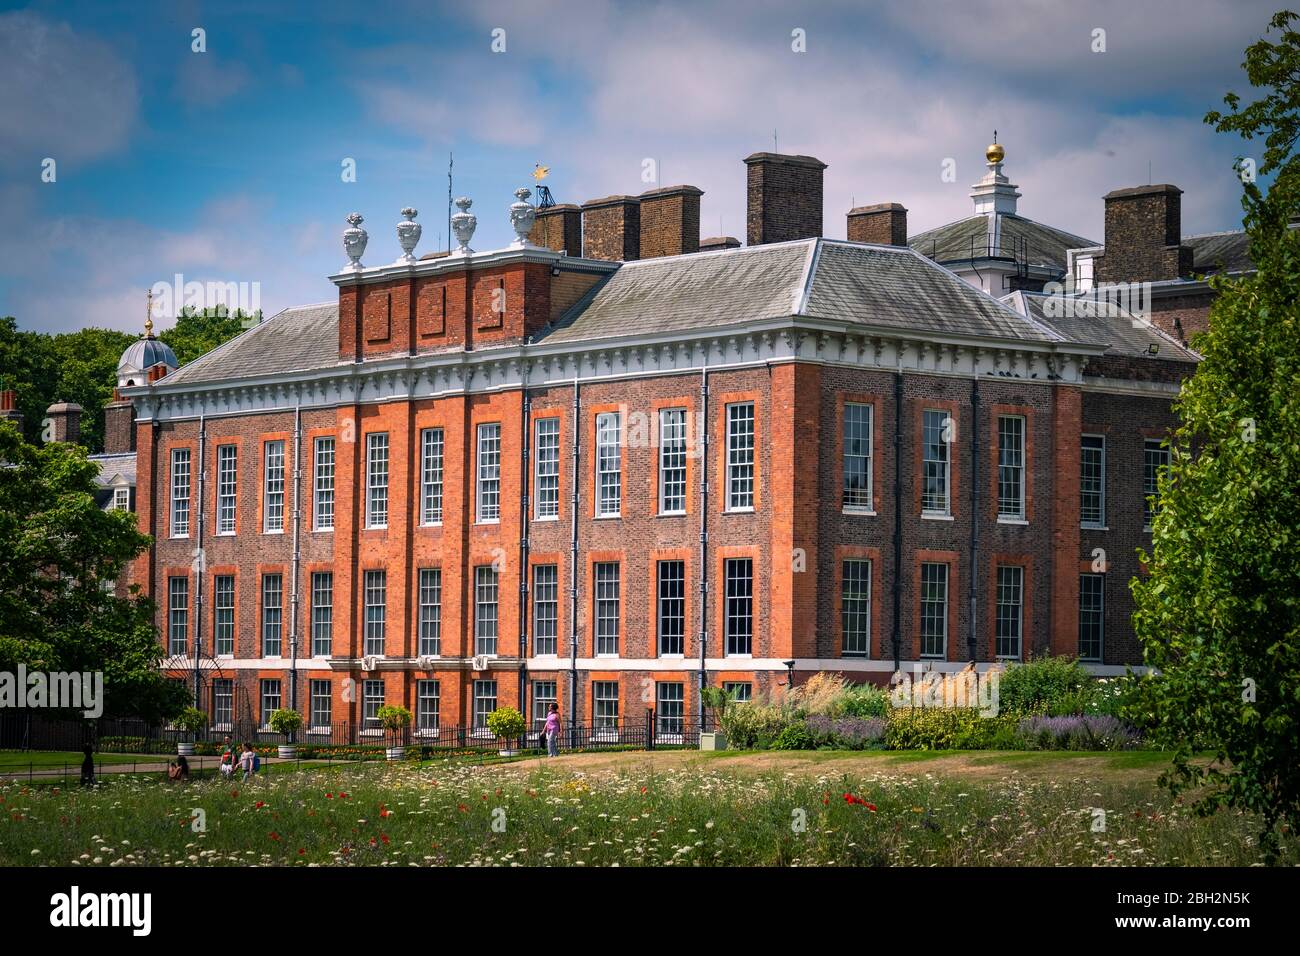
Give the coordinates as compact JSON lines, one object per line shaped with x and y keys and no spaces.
{"x":329,"y":796}
{"x":302,"y":851}
{"x":462,"y":808}
{"x":274,"y":836}
{"x":384,"y":838}
{"x":343,"y":796}
{"x":234,"y":793}
{"x":373,"y":842}
{"x":259,"y":805}
{"x":385,"y":813}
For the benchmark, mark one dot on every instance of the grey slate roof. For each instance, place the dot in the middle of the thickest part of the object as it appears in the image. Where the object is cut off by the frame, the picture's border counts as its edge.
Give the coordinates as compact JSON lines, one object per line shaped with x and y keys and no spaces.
{"x":1220,"y":252}
{"x":1035,"y":243}
{"x":880,"y":287}
{"x":1087,"y":320}
{"x":298,"y":339}
{"x":112,"y":467}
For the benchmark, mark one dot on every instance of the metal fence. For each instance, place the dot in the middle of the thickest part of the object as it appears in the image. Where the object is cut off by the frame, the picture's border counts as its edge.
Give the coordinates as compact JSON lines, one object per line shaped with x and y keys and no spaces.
{"x":28,"y":731}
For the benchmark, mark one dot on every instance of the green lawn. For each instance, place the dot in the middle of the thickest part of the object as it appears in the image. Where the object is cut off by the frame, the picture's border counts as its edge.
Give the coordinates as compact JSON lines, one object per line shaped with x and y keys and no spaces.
{"x":685,"y":808}
{"x":11,"y":761}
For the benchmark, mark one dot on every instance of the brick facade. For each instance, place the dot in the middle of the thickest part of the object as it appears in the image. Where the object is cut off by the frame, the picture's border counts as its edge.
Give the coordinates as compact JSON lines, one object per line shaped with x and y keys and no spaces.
{"x":784,"y":197}
{"x":1143,"y":240}
{"x":670,"y":221}
{"x":883,"y":224}
{"x":611,"y":228}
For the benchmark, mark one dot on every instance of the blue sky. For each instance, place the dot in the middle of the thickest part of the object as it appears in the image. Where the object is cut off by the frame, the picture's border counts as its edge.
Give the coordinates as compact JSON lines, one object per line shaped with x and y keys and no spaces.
{"x":225,"y":165}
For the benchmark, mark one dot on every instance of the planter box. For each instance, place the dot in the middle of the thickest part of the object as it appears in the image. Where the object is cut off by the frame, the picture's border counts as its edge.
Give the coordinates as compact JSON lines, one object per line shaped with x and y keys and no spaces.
{"x":395,"y":753}
{"x":508,"y":753}
{"x":287,"y":752}
{"x":185,"y":749}
{"x":713,"y":740}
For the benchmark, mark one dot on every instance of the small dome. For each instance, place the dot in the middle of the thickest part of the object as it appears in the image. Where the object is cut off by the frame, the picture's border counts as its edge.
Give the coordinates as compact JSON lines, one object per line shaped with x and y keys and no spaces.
{"x":143,"y":354}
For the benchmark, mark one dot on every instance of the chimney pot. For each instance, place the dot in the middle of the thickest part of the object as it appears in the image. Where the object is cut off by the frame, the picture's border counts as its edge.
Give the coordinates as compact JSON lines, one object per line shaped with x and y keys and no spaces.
{"x":884,"y":224}
{"x":784,"y":195}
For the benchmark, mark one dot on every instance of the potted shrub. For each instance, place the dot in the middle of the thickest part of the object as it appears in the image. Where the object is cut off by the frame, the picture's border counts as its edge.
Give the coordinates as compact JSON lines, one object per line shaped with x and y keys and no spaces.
{"x":190,"y":721}
{"x":287,"y":722}
{"x":507,"y":724}
{"x":715,"y":699}
{"x":394,"y":720}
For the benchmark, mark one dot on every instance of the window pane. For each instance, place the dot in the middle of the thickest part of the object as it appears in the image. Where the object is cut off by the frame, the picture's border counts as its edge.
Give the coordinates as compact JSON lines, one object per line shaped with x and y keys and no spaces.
{"x":322,"y":614}
{"x":226,"y":471}
{"x":180,"y":492}
{"x":377,"y":480}
{"x":1155,"y":458}
{"x":604,"y":695}
{"x":855,"y":607}
{"x":270,"y":700}
{"x":545,"y":609}
{"x":1011,"y":466}
{"x":1092,"y":481}
{"x":272,"y":612}
{"x":372,"y":698}
{"x":489,"y":472}
{"x":1092,"y":615}
{"x":609,"y":464}
{"x":178,"y":602}
{"x":740,"y":456}
{"x":548,"y":467}
{"x":430,"y":612}
{"x":1009,"y":611}
{"x":427,"y":705}
{"x":485,"y":610}
{"x":607,"y":607}
{"x":857,"y":456}
{"x":223,"y":703}
{"x":672,"y":460}
{"x":740,"y":605}
{"x":324,"y":484}
{"x":934,"y":610}
{"x":670,"y":708}
{"x":431,"y":475}
{"x":672,"y":607}
{"x":543,"y":697}
{"x":273,"y":486}
{"x":485,"y":701}
{"x":321,"y":706}
{"x":934,"y":468}
{"x":376,"y":608}
{"x":223,"y":600}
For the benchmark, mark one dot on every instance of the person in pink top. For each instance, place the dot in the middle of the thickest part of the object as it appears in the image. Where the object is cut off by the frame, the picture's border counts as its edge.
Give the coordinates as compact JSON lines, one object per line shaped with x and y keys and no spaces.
{"x":553,"y":731}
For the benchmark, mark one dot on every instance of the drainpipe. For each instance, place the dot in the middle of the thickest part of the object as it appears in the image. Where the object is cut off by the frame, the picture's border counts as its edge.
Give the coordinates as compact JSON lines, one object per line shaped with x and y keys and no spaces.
{"x":898,"y":521}
{"x":576,"y":427}
{"x":527,"y":410}
{"x":974,"y":509}
{"x":704,"y":533}
{"x":200,"y":568}
{"x":297,"y":557}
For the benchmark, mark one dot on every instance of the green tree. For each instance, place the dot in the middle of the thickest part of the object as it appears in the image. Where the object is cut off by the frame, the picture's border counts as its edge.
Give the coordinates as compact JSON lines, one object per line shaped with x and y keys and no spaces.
{"x":87,"y":362}
{"x":28,"y":366}
{"x":1219,"y":612}
{"x":63,"y":554}
{"x":199,"y":332}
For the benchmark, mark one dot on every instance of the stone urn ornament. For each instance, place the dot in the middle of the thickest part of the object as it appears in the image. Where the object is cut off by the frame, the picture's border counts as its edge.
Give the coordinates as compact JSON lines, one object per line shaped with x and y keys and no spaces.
{"x":463,"y":225}
{"x":354,"y":242}
{"x":408,"y":235}
{"x":522,"y":216}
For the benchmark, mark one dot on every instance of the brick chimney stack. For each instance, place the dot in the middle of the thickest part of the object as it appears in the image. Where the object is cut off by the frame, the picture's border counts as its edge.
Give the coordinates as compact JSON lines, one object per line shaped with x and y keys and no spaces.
{"x":119,"y":426}
{"x":9,"y":408}
{"x":611,"y":228}
{"x":1144,"y":236}
{"x":64,"y":421}
{"x":716,"y":243}
{"x":559,"y":228}
{"x":884,"y":224}
{"x":670,"y":221}
{"x":784,"y":197}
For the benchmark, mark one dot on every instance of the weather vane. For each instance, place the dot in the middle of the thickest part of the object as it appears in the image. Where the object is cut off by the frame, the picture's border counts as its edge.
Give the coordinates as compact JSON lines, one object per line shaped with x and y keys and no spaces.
{"x":544,"y":198}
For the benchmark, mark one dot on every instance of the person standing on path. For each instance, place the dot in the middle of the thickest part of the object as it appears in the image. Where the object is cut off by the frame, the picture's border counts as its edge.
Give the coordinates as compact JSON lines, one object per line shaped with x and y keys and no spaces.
{"x":553,"y":731}
{"x":88,"y":766}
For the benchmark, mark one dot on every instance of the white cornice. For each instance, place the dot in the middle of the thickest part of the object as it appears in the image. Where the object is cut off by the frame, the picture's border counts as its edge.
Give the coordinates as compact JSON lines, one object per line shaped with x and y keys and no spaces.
{"x":461,"y":263}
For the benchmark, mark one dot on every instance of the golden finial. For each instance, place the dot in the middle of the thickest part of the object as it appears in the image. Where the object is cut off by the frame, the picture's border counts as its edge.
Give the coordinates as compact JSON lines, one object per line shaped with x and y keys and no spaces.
{"x":540,"y":172}
{"x":148,"y":314}
{"x":995,"y":153}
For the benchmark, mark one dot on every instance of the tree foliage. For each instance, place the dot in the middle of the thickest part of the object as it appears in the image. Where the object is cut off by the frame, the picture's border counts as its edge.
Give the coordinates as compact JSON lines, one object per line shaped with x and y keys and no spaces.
{"x":62,"y":557}
{"x":1219,"y":612}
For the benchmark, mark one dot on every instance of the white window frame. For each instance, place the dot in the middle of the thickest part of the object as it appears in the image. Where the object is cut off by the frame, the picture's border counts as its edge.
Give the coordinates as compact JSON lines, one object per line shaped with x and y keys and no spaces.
{"x":1084,"y":449}
{"x":429,"y":621}
{"x":546,"y":472}
{"x":322,"y":613}
{"x":178,"y":615}
{"x":742,"y":473}
{"x":227,"y":489}
{"x":432,"y":450}
{"x":605,"y":709}
{"x":1009,"y":608}
{"x":858,"y":500}
{"x":546,"y":610}
{"x":862,"y":608}
{"x":272,"y":616}
{"x":607,"y":606}
{"x":314,"y":709}
{"x":323,"y":483}
{"x":428,"y":706}
{"x":377,"y":462}
{"x":121,"y":498}
{"x":672,"y":461}
{"x":678,"y":603}
{"x":1010,"y":470}
{"x":609,"y":465}
{"x":943,"y":609}
{"x":1150,"y":488}
{"x":223,"y":703}
{"x":270,"y":696}
{"x":374,"y":621}
{"x":372,"y":698}
{"x":485,"y":692}
{"x":942,"y":466}
{"x":739,"y":607}
{"x":669,"y":728}
{"x":487,"y":610}
{"x":223,"y":615}
{"x":1099,"y":610}
{"x":273,"y":486}
{"x":180,"y":489}
{"x":487,"y":497}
